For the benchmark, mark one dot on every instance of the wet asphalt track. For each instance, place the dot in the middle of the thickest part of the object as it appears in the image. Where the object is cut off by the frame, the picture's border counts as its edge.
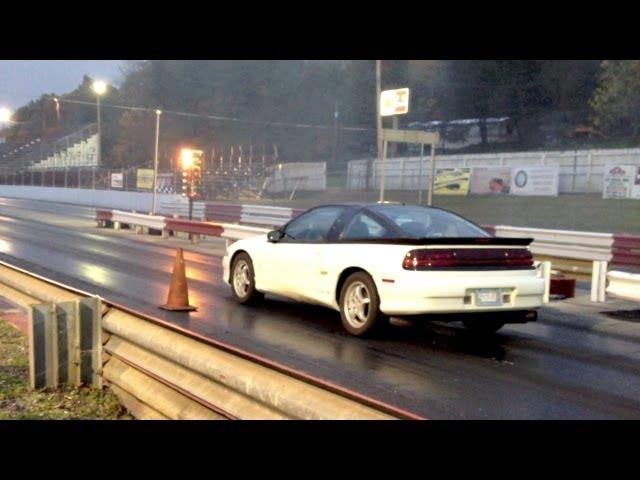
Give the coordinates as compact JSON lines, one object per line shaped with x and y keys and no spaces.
{"x":542,"y":370}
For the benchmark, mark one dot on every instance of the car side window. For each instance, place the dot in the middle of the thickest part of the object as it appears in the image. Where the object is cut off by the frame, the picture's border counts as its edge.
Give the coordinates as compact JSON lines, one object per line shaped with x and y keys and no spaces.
{"x":362,"y":226}
{"x":313,"y":226}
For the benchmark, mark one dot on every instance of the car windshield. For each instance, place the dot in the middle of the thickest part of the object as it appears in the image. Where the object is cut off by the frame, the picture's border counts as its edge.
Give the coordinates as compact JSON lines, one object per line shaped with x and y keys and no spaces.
{"x":423,"y":222}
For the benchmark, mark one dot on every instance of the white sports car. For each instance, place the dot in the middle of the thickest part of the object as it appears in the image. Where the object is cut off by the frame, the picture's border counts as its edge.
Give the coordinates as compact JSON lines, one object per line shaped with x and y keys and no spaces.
{"x":374,"y":261}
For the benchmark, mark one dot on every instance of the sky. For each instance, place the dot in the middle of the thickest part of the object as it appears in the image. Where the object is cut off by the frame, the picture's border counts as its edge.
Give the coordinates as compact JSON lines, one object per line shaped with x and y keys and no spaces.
{"x":24,"y":80}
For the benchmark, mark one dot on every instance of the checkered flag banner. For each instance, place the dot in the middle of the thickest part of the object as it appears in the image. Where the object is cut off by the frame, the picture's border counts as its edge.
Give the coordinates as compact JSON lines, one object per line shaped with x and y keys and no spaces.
{"x":165,"y":183}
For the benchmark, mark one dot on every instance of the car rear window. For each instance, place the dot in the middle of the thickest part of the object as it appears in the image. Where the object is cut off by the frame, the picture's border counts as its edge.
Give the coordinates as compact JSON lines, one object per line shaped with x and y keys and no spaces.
{"x":424,"y":222}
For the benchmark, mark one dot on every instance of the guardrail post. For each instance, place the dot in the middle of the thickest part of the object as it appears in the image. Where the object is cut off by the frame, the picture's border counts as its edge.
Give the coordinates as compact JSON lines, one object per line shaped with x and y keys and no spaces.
{"x":603,"y":281}
{"x":598,"y":281}
{"x":65,"y":343}
{"x":90,"y":320}
{"x":546,"y":274}
{"x":41,"y":370}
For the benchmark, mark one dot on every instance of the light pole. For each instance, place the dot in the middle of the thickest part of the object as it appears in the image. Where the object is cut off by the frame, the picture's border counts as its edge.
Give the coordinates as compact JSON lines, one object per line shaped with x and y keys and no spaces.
{"x":5,"y":115}
{"x":155,"y":163}
{"x":57,"y":102}
{"x":378,"y":116}
{"x":99,"y":87}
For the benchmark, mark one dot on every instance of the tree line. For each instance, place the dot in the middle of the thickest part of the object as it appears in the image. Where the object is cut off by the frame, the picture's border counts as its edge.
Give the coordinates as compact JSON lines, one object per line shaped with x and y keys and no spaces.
{"x":257,"y":96}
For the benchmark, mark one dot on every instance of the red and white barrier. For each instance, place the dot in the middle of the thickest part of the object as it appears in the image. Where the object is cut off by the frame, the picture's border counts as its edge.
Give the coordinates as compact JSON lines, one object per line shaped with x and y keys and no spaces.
{"x":225,"y":213}
{"x":603,"y":249}
{"x":606,"y":250}
{"x":229,"y":231}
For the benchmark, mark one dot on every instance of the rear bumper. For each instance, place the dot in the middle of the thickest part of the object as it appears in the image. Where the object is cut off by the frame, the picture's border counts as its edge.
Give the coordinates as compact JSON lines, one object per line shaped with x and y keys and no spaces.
{"x":416,"y":293}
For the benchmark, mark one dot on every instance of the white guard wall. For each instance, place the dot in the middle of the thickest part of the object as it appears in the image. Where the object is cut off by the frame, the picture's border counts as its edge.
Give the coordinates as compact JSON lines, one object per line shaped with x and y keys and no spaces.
{"x":307,"y":176}
{"x":581,"y":171}
{"x":139,"y":201}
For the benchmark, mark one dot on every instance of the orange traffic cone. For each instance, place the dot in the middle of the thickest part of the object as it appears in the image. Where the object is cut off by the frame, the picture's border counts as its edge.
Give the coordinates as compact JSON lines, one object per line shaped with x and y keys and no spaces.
{"x":178,"y":299}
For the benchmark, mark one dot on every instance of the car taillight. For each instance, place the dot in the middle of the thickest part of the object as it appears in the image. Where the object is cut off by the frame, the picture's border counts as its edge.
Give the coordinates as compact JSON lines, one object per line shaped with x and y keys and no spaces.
{"x":426,"y":259}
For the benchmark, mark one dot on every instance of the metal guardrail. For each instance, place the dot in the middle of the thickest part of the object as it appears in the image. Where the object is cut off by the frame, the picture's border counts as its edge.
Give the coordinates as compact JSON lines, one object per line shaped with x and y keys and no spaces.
{"x":138,"y":219}
{"x":583,"y":255}
{"x":624,"y":284}
{"x":563,"y":243}
{"x":181,"y":209}
{"x":626,"y":250}
{"x":217,"y":212}
{"x":586,"y":255}
{"x":162,"y":371}
{"x":206,"y":229}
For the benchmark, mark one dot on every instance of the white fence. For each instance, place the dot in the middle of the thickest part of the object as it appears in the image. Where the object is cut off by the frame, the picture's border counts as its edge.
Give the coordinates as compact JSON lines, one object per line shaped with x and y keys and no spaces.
{"x":581,"y":171}
{"x":307,"y":176}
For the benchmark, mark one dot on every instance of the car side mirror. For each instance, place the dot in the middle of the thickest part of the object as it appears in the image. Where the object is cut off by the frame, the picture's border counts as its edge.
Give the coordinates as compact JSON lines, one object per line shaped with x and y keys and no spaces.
{"x":275,"y":236}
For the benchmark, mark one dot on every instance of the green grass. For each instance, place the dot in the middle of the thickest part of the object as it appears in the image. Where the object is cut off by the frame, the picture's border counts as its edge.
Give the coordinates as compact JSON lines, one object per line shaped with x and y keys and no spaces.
{"x":18,"y":402}
{"x":566,"y":212}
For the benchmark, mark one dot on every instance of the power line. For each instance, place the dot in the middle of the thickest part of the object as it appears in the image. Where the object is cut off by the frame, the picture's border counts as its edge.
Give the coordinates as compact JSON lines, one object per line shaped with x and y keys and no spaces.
{"x":217,"y":117}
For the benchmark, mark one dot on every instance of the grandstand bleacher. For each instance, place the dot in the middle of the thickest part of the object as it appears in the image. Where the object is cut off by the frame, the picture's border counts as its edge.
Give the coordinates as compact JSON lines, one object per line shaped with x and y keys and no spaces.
{"x":76,"y":149}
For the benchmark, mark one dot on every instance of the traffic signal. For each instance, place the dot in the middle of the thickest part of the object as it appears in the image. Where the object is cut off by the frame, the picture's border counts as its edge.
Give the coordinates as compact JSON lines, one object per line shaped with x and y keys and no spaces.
{"x":191,"y":172}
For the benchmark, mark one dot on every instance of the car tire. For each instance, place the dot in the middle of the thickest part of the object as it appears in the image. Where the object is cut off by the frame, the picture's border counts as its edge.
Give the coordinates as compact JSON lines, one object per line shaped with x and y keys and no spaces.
{"x":483,"y":326}
{"x":243,"y":280}
{"x":360,"y":306}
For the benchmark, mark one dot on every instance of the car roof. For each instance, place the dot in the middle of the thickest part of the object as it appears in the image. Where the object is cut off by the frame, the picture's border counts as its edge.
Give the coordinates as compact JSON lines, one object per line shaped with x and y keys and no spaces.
{"x":370,"y":204}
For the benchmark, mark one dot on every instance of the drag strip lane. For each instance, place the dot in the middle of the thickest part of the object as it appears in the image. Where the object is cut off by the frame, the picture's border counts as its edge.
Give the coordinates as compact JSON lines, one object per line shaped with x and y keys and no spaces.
{"x":526,"y":371}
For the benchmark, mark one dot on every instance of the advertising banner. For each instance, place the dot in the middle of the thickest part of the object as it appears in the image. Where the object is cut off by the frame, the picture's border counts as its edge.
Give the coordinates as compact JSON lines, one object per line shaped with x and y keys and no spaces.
{"x":144,"y":178}
{"x":635,"y":187}
{"x":537,"y":181}
{"x":165,"y":183}
{"x":490,"y":180}
{"x":452,"y":181}
{"x":116,"y":180}
{"x":618,"y":181}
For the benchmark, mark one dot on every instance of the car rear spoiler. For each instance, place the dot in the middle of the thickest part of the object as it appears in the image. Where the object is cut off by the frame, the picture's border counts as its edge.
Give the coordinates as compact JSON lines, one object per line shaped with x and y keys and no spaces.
{"x":446,"y":241}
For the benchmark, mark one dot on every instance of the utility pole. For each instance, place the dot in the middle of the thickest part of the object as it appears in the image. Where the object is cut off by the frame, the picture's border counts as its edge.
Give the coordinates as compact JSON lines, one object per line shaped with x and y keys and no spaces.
{"x":155,"y":163}
{"x":432,"y":180}
{"x":378,"y":117}
{"x":99,"y":152}
{"x":335,"y":135}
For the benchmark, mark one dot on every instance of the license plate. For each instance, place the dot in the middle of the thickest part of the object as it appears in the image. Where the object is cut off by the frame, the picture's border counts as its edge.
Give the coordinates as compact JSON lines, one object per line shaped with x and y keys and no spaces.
{"x":488,"y":297}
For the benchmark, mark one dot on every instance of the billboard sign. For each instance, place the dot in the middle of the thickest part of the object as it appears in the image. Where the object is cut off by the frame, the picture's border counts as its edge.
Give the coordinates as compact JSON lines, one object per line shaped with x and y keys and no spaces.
{"x":394,"y":102}
{"x":618,"y":180}
{"x":117,"y":180}
{"x":452,"y":181}
{"x":144,"y":178}
{"x":635,"y":187}
{"x":165,"y":183}
{"x":490,"y":180}
{"x":535,"y":181}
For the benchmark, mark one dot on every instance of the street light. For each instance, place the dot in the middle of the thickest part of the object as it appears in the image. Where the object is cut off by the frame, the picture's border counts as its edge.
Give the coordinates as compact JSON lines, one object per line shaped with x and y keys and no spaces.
{"x":5,"y":115}
{"x":99,"y":87}
{"x":155,"y":162}
{"x":57,"y":102}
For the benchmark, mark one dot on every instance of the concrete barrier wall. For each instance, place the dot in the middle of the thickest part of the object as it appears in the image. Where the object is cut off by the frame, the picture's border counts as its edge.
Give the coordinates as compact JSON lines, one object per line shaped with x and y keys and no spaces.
{"x":139,"y":201}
